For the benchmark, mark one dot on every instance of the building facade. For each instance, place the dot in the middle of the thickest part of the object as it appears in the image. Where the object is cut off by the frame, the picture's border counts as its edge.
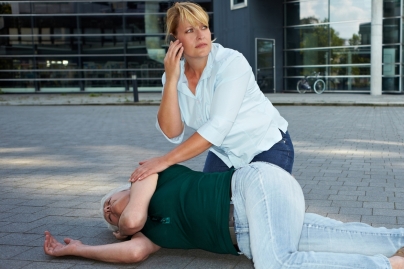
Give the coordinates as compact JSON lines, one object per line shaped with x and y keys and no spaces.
{"x":96,"y":46}
{"x":76,"y":46}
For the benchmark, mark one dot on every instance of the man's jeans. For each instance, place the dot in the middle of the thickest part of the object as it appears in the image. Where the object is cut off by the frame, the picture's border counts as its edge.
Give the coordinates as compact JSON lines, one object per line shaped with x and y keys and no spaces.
{"x":281,"y":154}
{"x":273,"y":229}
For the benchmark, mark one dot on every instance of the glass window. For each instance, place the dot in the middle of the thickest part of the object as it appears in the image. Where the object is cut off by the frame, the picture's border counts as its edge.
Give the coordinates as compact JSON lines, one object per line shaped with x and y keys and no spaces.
{"x":5,"y":8}
{"x":103,"y":44}
{"x":350,"y":10}
{"x":338,"y":34}
{"x":391,"y":31}
{"x":15,"y":22}
{"x":335,"y":84}
{"x":390,"y":84}
{"x":53,"y":7}
{"x":391,"y":54}
{"x":99,"y":7}
{"x":104,"y":83}
{"x":24,"y":86}
{"x":307,"y":12}
{"x":318,"y":11}
{"x":54,"y":25}
{"x":57,"y":63}
{"x":236,"y":4}
{"x":150,"y":24}
{"x":100,"y":24}
{"x":57,"y":44}
{"x":13,"y":7}
{"x":391,"y":8}
{"x":356,"y":55}
{"x":107,"y":62}
{"x":16,"y":45}
{"x":58,"y":83}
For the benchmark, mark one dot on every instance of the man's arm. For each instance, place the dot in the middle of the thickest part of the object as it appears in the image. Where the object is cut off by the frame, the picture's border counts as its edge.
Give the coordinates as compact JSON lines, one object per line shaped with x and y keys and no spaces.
{"x":135,"y":250}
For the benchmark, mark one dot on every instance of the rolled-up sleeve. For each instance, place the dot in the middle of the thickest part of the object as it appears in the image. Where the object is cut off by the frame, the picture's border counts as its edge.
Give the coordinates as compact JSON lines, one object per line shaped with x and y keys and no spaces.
{"x":230,"y":88}
{"x":175,"y":140}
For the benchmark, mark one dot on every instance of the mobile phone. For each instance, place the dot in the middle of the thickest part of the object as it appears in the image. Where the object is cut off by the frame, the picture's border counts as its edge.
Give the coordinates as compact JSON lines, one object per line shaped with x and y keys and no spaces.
{"x":172,"y":38}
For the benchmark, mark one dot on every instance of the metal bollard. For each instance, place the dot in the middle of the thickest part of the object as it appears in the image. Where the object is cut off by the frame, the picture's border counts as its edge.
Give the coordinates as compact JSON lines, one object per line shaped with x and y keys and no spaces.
{"x":135,"y":91}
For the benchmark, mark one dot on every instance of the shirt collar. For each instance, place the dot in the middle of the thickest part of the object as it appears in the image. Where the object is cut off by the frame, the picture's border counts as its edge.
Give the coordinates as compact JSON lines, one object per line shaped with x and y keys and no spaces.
{"x":205,"y":74}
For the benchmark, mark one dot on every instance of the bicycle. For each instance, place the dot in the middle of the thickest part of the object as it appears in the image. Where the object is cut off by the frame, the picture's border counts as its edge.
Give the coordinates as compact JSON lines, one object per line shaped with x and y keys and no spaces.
{"x":318,"y":86}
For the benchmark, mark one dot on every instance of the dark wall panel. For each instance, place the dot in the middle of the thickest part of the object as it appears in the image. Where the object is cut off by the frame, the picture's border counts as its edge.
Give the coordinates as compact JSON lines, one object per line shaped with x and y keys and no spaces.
{"x":237,"y":29}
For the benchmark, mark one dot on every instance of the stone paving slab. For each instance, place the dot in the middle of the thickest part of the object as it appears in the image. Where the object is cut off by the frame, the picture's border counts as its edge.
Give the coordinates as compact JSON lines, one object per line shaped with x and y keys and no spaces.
{"x":149,"y":98}
{"x":56,"y":162}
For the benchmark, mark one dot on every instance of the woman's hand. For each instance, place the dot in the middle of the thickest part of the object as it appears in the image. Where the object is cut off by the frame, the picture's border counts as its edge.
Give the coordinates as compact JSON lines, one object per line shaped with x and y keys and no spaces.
{"x":53,"y":247}
{"x":148,"y":168}
{"x":172,"y":61}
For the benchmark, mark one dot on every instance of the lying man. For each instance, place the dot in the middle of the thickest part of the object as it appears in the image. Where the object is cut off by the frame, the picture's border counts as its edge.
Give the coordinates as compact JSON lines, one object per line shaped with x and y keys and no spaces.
{"x":181,"y":208}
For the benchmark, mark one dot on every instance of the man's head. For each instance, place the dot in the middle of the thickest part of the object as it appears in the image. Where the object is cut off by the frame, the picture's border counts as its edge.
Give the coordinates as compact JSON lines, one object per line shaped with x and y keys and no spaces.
{"x":110,"y":210}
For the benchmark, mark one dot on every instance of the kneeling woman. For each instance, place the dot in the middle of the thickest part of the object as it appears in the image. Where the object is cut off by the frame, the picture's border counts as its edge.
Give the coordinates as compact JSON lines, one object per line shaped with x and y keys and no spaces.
{"x":181,"y":208}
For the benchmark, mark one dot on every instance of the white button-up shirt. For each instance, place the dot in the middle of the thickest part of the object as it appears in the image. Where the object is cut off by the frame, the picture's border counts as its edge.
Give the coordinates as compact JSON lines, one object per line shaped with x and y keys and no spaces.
{"x":228,"y":109}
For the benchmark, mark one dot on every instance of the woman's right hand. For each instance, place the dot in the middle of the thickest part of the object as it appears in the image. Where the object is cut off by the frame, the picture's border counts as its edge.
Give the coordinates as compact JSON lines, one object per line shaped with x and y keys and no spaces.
{"x":172,"y":60}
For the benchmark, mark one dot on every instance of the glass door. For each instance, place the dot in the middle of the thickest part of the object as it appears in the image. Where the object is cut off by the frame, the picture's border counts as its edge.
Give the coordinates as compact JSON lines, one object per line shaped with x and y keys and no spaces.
{"x":265,"y":64}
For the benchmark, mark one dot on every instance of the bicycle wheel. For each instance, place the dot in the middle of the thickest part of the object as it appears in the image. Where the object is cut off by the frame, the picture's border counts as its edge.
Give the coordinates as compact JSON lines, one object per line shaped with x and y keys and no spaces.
{"x":319,"y":86}
{"x":299,"y":87}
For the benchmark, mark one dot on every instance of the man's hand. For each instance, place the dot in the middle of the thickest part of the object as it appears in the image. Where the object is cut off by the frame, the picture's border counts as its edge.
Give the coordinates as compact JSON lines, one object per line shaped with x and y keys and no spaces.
{"x":53,"y":247}
{"x":118,"y":235}
{"x":148,"y":168}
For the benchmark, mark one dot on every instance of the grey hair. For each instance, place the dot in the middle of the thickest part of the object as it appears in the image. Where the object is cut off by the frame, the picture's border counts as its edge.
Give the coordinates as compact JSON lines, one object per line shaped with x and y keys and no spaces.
{"x":106,"y":196}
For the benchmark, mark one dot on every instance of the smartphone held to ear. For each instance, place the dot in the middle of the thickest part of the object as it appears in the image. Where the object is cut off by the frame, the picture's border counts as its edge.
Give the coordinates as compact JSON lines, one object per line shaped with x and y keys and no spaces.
{"x":173,"y":39}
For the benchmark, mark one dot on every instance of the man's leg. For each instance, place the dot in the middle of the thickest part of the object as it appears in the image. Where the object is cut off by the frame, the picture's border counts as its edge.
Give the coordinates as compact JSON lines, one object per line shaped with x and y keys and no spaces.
{"x":274,"y":208}
{"x":324,"y":234}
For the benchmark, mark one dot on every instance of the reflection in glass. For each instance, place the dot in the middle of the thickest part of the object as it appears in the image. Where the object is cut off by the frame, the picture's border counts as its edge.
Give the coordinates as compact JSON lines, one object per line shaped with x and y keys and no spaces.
{"x":103,"y":44}
{"x":350,"y":10}
{"x":336,"y":84}
{"x":129,"y":33}
{"x":391,"y":31}
{"x":390,"y":84}
{"x":100,"y":83}
{"x":332,"y":35}
{"x":307,"y":12}
{"x":57,"y":63}
{"x":110,"y":62}
{"x":314,"y":12}
{"x":58,"y":83}
{"x":391,"y":8}
{"x":58,"y":7}
{"x":329,"y":71}
{"x":348,"y":55}
{"x":98,"y":7}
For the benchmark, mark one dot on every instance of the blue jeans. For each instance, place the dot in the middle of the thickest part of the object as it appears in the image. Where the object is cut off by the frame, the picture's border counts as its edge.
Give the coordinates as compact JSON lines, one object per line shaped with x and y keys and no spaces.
{"x":273,"y":229}
{"x":281,"y":154}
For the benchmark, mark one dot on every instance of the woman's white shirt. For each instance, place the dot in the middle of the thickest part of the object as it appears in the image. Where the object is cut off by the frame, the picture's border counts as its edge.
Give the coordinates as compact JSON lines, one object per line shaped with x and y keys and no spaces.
{"x":229,"y":109}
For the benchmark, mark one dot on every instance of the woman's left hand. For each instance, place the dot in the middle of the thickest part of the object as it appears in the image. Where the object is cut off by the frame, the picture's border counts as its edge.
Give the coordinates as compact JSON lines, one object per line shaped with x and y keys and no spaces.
{"x":149,"y":167}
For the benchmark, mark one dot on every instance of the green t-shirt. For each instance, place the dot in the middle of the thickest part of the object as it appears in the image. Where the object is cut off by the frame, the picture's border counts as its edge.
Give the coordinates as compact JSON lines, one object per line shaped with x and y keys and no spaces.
{"x":190,"y":209}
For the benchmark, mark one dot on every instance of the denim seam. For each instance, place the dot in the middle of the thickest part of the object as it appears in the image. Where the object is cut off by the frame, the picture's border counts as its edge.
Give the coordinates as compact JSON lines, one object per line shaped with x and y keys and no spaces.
{"x":348,"y":231}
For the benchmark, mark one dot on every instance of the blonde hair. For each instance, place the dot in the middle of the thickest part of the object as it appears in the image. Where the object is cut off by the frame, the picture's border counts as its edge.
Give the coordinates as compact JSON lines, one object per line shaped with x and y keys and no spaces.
{"x":106,"y":196}
{"x":185,"y":11}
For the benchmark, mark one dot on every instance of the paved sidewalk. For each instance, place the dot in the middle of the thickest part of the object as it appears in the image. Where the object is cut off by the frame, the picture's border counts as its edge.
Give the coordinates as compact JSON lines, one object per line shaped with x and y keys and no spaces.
{"x":56,"y":162}
{"x":325,"y":99}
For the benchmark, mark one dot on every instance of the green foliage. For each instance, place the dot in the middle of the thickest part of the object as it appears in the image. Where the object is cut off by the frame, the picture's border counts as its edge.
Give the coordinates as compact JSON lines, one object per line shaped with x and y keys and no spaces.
{"x":94,"y":95}
{"x":5,"y":8}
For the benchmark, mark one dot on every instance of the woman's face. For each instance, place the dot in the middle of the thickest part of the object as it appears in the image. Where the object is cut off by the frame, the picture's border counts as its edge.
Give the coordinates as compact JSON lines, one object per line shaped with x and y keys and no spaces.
{"x":114,"y":206}
{"x":195,"y":40}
